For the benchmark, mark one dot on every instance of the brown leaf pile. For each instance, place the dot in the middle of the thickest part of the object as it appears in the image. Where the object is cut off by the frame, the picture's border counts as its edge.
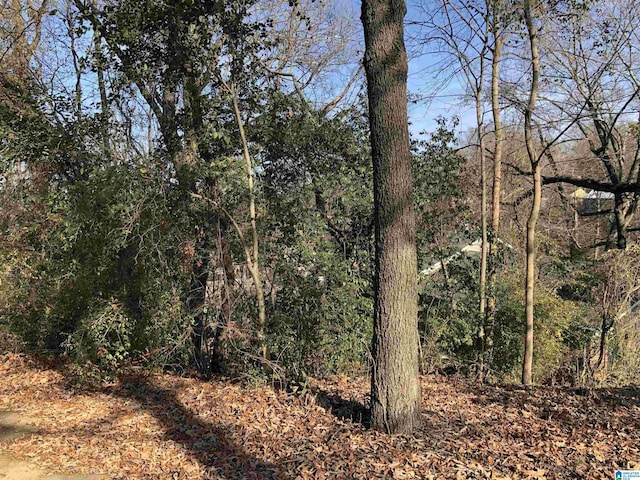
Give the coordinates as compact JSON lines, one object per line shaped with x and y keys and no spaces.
{"x":166,"y":427}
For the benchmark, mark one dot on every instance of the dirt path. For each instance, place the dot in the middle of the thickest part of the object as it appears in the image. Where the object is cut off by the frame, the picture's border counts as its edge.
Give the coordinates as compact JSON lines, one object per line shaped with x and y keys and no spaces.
{"x":12,"y":468}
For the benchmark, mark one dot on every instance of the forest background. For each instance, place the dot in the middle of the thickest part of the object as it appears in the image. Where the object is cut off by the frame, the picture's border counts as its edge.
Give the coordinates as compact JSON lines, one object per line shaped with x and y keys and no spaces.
{"x":187,"y":185}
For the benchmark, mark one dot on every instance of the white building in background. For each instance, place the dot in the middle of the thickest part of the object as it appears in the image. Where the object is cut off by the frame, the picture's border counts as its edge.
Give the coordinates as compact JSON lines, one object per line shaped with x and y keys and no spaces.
{"x":473,"y":248}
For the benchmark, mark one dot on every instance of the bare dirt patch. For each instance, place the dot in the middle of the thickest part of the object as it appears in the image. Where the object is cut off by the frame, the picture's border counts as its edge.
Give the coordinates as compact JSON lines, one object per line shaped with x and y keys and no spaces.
{"x":12,"y":427}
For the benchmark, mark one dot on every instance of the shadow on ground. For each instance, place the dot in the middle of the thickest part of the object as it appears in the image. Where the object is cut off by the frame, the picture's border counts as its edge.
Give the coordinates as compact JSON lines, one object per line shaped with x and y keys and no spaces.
{"x":11,"y":426}
{"x":624,"y":396}
{"x":341,"y":408}
{"x":210,"y":444}
{"x":567,"y":407}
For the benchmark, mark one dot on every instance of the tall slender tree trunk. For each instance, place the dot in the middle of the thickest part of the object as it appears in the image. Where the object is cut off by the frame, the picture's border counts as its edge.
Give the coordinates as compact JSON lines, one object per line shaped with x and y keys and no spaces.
{"x":483,"y":214}
{"x":187,"y":155}
{"x":71,"y":31}
{"x":527,"y":364}
{"x":219,"y":354}
{"x":496,"y":194}
{"x":395,"y":386}
{"x":102,"y":87}
{"x":196,"y":296}
{"x":252,"y":252}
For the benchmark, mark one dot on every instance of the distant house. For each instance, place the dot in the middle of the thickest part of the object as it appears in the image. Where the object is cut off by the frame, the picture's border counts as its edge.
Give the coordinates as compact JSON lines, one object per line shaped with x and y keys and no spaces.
{"x":592,"y":201}
{"x":473,"y":248}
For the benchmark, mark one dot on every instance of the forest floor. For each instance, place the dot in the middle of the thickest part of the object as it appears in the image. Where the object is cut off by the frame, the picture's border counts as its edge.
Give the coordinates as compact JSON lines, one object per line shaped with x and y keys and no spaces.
{"x":153,"y":426}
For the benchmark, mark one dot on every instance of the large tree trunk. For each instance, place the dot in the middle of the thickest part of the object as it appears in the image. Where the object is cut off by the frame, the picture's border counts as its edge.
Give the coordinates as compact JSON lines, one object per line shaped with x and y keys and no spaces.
{"x":395,"y":386}
{"x":527,"y":363}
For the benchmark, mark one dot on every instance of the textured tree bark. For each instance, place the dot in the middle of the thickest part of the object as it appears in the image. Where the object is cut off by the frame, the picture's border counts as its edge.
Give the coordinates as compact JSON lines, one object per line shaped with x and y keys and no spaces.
{"x":527,"y":364}
{"x":497,"y":122}
{"x":395,"y":386}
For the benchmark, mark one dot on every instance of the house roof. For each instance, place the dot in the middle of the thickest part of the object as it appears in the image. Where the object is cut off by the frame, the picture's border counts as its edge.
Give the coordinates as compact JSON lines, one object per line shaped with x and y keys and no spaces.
{"x":598,"y":195}
{"x":473,"y":248}
{"x":579,"y":193}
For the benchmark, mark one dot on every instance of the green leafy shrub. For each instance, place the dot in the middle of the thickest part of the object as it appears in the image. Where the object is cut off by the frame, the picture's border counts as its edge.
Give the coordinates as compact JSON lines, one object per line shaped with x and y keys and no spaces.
{"x":102,"y":337}
{"x":321,"y":321}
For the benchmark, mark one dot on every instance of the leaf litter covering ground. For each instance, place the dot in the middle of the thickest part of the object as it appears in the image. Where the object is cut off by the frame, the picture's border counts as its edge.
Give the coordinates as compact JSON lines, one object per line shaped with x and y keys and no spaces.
{"x":165,"y":427}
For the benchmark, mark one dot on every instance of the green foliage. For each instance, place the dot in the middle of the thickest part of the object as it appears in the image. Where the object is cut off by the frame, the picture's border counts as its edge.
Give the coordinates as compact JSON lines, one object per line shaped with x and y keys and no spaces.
{"x":437,"y":194}
{"x":562,"y":327}
{"x":82,"y":234}
{"x":102,"y":338}
{"x":624,"y":353}
{"x":317,"y":191}
{"x":115,"y":253}
{"x":449,"y":317}
{"x":321,"y":320}
{"x":104,"y":271}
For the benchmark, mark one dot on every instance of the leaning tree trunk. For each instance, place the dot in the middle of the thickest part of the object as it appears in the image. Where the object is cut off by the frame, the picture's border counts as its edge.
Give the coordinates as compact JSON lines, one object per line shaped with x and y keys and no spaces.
{"x":527,"y":364}
{"x":395,"y":386}
{"x":252,"y":253}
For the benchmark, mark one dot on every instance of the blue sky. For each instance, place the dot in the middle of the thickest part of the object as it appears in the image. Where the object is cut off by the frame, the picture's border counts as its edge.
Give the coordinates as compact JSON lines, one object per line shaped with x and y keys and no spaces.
{"x":426,"y":78}
{"x":431,"y":81}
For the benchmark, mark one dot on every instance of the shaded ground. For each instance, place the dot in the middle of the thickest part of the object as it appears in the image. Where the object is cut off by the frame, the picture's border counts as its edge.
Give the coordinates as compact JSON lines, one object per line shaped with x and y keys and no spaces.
{"x":165,"y":427}
{"x":13,"y":425}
